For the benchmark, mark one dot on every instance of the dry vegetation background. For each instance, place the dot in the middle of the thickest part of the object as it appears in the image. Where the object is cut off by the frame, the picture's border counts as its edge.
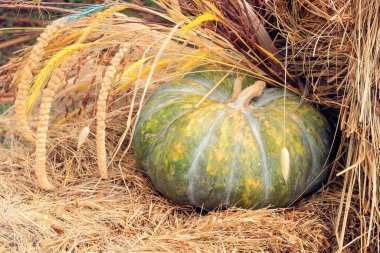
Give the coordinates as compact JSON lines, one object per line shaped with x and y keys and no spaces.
{"x":34,"y":18}
{"x":333,"y":57}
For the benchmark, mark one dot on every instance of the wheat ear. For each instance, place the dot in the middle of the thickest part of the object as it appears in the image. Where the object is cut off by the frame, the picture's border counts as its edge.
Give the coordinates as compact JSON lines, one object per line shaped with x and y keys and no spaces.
{"x":26,"y":76}
{"x":57,"y":79}
{"x":108,"y":79}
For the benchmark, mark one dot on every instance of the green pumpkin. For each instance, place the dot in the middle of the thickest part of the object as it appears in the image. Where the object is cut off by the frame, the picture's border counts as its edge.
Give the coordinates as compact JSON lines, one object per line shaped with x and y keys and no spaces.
{"x":221,"y":153}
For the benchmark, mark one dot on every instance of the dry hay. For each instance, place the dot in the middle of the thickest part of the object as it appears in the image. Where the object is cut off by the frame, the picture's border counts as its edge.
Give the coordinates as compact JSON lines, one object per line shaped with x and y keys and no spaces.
{"x":331,"y":61}
{"x":126,"y":213}
{"x":335,"y":45}
{"x":112,"y":216}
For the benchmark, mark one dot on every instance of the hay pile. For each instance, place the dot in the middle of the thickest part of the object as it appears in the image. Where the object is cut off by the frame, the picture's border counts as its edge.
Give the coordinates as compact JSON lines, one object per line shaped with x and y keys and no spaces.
{"x":95,"y":68}
{"x":125,"y":213}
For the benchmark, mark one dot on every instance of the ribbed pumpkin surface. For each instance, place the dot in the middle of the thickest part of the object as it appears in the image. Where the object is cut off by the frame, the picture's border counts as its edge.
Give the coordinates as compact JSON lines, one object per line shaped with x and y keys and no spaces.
{"x":216,"y":155}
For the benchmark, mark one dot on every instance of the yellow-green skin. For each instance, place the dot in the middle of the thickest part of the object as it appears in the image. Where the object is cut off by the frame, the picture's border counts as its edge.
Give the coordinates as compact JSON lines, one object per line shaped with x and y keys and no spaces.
{"x":216,"y":155}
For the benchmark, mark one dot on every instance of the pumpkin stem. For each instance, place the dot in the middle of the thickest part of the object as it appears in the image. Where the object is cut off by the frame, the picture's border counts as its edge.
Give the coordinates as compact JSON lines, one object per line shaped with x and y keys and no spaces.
{"x":242,"y":100}
{"x":236,"y":89}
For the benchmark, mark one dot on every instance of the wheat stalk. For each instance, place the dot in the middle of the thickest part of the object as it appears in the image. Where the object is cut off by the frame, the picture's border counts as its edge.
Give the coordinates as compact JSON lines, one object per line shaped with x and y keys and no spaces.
{"x":57,"y":79}
{"x":109,"y":77}
{"x":26,"y":76}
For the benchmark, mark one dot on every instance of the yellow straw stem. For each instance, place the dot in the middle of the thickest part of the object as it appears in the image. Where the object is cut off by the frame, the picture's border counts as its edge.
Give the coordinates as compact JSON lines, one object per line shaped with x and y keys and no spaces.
{"x":199,"y":20}
{"x":131,"y":71}
{"x":214,"y":88}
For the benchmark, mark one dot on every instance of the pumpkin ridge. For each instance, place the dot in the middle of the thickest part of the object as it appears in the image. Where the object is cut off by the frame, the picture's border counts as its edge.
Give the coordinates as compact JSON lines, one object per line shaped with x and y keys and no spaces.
{"x":147,"y":114}
{"x":155,"y":109}
{"x":190,"y":90}
{"x":323,"y":135}
{"x":203,"y":82}
{"x":231,"y":177}
{"x":266,"y":99}
{"x":310,"y":143}
{"x":311,"y":183}
{"x":304,"y":132}
{"x":256,"y":133}
{"x":162,"y":133}
{"x":202,"y":145}
{"x":208,"y":86}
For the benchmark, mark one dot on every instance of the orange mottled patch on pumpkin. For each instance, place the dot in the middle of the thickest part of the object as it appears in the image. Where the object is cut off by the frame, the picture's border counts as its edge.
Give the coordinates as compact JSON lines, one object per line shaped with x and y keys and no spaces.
{"x":219,"y":155}
{"x":211,"y":169}
{"x":250,"y":186}
{"x":299,"y":147}
{"x":252,"y":182}
{"x":178,"y":148}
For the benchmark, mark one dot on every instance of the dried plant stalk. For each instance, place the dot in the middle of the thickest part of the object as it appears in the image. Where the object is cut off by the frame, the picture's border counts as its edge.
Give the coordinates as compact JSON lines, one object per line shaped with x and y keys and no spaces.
{"x":26,"y":76}
{"x":109,"y":77}
{"x":57,"y":79}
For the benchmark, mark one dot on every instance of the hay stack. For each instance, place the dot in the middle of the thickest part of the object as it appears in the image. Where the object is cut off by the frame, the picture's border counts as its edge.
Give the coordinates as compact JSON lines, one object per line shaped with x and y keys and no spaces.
{"x":335,"y":48}
{"x":331,"y":53}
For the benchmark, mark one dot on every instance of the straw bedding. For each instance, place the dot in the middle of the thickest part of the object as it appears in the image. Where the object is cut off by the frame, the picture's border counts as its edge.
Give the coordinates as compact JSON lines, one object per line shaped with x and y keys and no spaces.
{"x":331,"y":55}
{"x":125,"y":213}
